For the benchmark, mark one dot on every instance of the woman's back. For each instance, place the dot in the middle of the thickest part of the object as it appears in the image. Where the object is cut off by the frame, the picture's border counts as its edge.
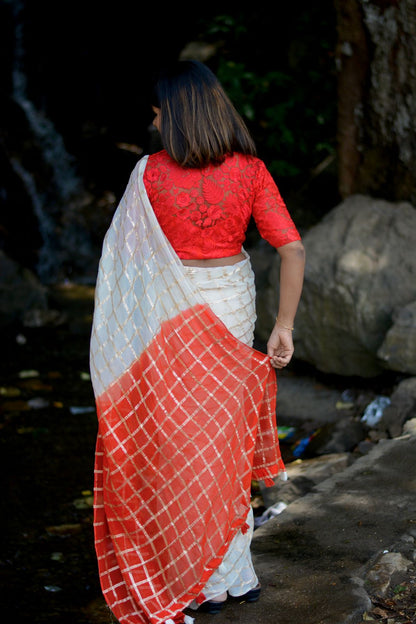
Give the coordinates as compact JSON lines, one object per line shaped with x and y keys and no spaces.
{"x":204,"y":212}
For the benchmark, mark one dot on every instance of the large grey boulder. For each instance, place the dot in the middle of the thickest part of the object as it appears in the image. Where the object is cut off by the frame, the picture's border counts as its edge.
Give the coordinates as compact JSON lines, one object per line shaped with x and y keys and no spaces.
{"x":401,"y":409}
{"x":360,"y":275}
{"x":398,"y":350}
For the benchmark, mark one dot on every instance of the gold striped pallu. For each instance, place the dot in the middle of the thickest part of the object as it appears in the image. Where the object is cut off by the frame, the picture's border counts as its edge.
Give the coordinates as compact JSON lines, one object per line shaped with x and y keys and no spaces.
{"x":186,"y":419}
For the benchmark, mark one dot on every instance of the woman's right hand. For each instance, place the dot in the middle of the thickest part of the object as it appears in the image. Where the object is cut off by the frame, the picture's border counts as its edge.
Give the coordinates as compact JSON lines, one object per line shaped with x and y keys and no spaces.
{"x":280,"y":347}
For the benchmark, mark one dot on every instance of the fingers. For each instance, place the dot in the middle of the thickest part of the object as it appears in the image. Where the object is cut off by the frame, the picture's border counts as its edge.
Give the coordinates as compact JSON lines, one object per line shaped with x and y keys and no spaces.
{"x":276,"y":364}
{"x":280,"y":361}
{"x":280,"y":348}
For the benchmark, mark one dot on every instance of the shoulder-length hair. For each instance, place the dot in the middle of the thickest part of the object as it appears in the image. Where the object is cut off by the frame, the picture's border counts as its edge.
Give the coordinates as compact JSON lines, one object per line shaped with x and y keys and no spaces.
{"x":198,"y":123}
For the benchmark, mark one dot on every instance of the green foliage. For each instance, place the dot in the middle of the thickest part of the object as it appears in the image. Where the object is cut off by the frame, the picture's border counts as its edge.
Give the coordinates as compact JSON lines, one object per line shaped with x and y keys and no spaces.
{"x":292,"y":129}
{"x":399,"y":589}
{"x":283,"y":83}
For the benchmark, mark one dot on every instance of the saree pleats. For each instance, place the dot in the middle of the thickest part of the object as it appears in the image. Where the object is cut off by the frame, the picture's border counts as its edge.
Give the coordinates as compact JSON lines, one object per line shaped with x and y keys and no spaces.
{"x":186,"y":414}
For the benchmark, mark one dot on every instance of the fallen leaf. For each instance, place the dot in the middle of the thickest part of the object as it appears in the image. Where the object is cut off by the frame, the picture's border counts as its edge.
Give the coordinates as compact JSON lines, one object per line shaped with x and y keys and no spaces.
{"x":54,"y":375}
{"x":15,"y":406}
{"x":23,"y":430}
{"x":38,"y":403}
{"x":57,"y":556}
{"x":52,"y":588}
{"x":9,"y":391}
{"x":27,"y":374}
{"x":35,"y":384}
{"x":64,"y":529}
{"x":343,"y":405}
{"x":84,"y":503}
{"x":381,"y":612}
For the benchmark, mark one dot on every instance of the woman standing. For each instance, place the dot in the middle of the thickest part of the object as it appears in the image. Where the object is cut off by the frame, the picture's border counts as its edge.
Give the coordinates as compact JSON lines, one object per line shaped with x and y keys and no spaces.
{"x":186,"y":406}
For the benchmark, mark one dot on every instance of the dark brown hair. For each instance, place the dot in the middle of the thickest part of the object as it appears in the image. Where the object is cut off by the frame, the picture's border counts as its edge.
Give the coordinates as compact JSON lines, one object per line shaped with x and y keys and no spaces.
{"x":198,"y":123}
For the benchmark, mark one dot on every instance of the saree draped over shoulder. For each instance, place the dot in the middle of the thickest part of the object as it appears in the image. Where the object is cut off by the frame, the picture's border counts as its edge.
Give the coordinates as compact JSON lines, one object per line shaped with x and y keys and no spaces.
{"x":186,"y":419}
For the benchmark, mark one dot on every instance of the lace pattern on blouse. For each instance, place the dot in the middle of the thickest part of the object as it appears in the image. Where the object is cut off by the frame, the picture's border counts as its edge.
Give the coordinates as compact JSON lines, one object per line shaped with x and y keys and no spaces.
{"x":204,"y":213}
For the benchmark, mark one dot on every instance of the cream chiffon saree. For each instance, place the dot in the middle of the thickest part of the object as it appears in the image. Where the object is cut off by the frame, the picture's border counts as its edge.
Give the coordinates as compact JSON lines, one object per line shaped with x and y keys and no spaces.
{"x":186,"y":412}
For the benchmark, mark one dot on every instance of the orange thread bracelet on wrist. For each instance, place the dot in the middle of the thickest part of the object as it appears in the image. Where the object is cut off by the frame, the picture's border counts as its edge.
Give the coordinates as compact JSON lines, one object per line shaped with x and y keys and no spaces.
{"x":284,"y":326}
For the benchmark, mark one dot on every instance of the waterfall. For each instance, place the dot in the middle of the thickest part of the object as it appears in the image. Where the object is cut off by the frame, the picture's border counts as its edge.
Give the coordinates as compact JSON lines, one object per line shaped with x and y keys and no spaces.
{"x":58,"y":210}
{"x":49,"y":251}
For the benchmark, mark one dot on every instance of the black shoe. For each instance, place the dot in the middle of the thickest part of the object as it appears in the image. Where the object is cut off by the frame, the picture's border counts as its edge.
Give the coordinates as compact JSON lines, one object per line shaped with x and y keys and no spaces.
{"x":251,"y":596}
{"x":210,"y":606}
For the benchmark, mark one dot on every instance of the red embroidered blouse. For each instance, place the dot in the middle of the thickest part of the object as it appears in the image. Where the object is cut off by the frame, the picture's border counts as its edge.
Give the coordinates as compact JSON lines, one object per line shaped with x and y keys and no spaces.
{"x":204,"y":213}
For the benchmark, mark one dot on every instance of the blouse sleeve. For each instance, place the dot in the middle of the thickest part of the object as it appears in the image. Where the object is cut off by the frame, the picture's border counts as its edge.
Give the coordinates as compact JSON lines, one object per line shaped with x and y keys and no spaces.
{"x":271,"y":216}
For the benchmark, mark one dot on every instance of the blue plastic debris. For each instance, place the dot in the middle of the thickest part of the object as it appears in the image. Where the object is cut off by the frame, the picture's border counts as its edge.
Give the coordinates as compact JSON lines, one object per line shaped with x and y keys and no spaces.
{"x":285,"y":433}
{"x":374,"y":411}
